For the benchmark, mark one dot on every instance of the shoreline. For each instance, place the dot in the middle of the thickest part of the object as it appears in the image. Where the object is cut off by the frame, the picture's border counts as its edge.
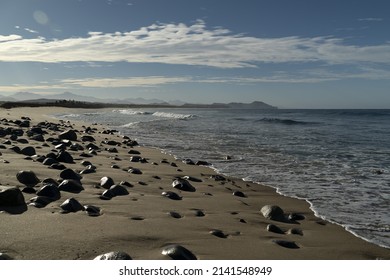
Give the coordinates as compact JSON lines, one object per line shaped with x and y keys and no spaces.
{"x":143,"y":229}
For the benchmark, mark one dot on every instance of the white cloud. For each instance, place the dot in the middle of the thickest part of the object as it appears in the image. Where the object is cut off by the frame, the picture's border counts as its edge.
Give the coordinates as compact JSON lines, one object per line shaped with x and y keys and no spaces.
{"x":189,"y":45}
{"x":30,"y":30}
{"x":370,"y":19}
{"x":148,"y":81}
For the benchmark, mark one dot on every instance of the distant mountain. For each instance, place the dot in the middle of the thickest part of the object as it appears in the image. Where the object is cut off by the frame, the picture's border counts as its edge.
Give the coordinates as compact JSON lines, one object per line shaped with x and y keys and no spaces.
{"x":48,"y":98}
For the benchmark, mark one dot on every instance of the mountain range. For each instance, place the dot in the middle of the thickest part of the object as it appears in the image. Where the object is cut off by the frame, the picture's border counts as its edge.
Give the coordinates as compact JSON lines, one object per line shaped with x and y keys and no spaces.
{"x":40,"y":98}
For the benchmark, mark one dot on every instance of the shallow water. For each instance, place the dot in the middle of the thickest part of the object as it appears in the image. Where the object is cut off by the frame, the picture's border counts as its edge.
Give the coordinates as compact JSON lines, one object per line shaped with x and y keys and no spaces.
{"x":338,"y":160}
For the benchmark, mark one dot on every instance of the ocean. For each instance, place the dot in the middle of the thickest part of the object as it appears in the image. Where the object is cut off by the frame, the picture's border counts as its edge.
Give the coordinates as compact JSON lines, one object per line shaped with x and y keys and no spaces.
{"x":337,"y":160}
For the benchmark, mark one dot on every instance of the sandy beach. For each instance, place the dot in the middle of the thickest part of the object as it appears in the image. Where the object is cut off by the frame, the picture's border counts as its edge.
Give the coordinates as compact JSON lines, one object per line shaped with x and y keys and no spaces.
{"x":169,"y":203}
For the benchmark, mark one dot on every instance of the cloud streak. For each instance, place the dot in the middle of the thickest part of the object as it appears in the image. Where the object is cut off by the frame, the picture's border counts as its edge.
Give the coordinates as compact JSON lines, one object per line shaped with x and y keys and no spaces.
{"x":189,"y":45}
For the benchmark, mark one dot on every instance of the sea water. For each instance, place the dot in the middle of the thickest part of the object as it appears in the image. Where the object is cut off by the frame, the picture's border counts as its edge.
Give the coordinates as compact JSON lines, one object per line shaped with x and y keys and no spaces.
{"x":337,"y":160}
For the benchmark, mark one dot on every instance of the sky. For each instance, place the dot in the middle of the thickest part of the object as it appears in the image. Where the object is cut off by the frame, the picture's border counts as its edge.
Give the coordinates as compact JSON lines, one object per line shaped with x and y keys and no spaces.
{"x":287,"y":53}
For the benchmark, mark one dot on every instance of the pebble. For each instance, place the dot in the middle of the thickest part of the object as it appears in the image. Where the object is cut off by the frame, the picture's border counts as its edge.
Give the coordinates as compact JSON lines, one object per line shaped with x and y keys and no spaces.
{"x":178,"y":252}
{"x":183,"y":185}
{"x":27,"y":177}
{"x":71,"y":205}
{"x":273,"y":212}
{"x":118,"y":255}
{"x":286,"y":244}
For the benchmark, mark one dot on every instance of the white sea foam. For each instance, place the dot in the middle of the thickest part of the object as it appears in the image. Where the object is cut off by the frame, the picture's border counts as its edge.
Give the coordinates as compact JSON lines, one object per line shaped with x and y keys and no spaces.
{"x":131,"y":112}
{"x":173,"y":115}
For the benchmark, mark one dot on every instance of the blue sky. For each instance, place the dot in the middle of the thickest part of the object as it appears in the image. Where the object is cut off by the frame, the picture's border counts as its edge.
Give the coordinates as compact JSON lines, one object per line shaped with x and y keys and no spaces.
{"x":288,"y":53}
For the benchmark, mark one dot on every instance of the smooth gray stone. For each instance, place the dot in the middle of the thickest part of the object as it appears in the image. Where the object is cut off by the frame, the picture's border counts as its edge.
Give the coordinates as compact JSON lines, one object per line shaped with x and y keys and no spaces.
{"x":183,"y":185}
{"x":71,"y":205}
{"x":113,"y":256}
{"x":273,"y":212}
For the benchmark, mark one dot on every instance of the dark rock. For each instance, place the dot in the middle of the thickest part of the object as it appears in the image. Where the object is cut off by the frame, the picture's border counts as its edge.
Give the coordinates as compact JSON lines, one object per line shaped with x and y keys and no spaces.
{"x":112,"y":150}
{"x":174,"y":214}
{"x":218,"y":233}
{"x":183,"y":185}
{"x":295,"y":231}
{"x":29,"y":190}
{"x":92,"y":211}
{"x":38,"y":137}
{"x":48,"y":181}
{"x":40,"y":201}
{"x":118,"y":190}
{"x":171,"y":195}
{"x":239,"y":193}
{"x":274,"y":229}
{"x":4,"y":256}
{"x":188,"y":161}
{"x":28,"y":151}
{"x":199,"y":213}
{"x":193,"y":179}
{"x":58,"y":166}
{"x":86,"y":163}
{"x":135,"y":171}
{"x":65,"y":157}
{"x":11,"y":197}
{"x":87,"y":138}
{"x":16,"y":149}
{"x":273,"y":212}
{"x":135,"y":159}
{"x":133,"y":152}
{"x":69,"y":135}
{"x":113,"y":256}
{"x":107,"y":195}
{"x":178,"y":252}
{"x":296,"y":217}
{"x":72,"y":186}
{"x":126,"y":184}
{"x":218,"y":178}
{"x":49,"y":190}
{"x":70,"y":174}
{"x":106,"y":182}
{"x":286,"y":244}
{"x":27,"y":178}
{"x":202,"y":162}
{"x":71,"y":205}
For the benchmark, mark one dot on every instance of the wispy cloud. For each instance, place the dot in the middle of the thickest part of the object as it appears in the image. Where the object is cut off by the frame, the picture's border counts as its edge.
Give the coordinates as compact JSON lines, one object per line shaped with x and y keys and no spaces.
{"x":189,"y":45}
{"x":31,"y":30}
{"x":370,"y":19}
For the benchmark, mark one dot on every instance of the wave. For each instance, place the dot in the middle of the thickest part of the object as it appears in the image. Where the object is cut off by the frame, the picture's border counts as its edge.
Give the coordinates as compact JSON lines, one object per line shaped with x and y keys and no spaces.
{"x":173,"y":115}
{"x":284,"y":121}
{"x":131,"y":112}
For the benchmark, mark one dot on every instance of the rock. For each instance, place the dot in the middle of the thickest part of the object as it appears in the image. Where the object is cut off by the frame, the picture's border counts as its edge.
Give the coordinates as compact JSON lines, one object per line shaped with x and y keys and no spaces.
{"x":70,"y":185}
{"x":49,"y":190}
{"x":239,"y":193}
{"x":133,"y":152}
{"x":286,"y":244}
{"x":178,"y":252}
{"x":135,"y":171}
{"x":107,"y":195}
{"x":28,"y":151}
{"x":49,"y":161}
{"x":106,"y":182}
{"x":27,"y":178}
{"x":71,"y":205}
{"x":40,"y":201}
{"x":183,"y":185}
{"x":202,"y":162}
{"x":218,"y":178}
{"x":65,"y":157}
{"x":188,"y":161}
{"x":199,"y":213}
{"x":113,"y":256}
{"x":92,"y":211}
{"x":296,"y":217}
{"x":11,"y":197}
{"x":135,"y":159}
{"x":58,"y":166}
{"x":126,"y":184}
{"x":295,"y":231}
{"x":273,"y":212}
{"x":112,"y":150}
{"x":118,"y":190}
{"x":218,"y":233}
{"x":69,"y":135}
{"x":174,"y":214}
{"x":193,"y":179}
{"x":274,"y":229}
{"x":4,"y":256}
{"x":171,"y":195}
{"x":70,"y":174}
{"x":87,"y":138}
